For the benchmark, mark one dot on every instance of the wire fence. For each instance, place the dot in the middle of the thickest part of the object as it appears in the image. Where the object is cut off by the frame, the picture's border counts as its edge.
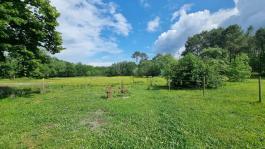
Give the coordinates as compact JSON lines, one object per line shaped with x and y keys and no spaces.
{"x":14,"y":89}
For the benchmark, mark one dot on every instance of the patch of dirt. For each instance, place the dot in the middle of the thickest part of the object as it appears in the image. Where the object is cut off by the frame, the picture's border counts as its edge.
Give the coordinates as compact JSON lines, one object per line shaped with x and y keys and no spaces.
{"x":34,"y":139}
{"x":95,"y":120}
{"x":29,"y":142}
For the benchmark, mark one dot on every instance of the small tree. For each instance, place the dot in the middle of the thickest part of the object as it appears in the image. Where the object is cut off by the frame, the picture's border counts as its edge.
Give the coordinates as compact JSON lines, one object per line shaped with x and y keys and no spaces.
{"x":136,"y":55}
{"x":214,"y":73}
{"x":165,"y":64}
{"x":148,"y":68}
{"x":191,"y":70}
{"x":239,"y":69}
{"x":188,"y":72}
{"x":260,"y":44}
{"x":139,"y":56}
{"x":216,"y":60}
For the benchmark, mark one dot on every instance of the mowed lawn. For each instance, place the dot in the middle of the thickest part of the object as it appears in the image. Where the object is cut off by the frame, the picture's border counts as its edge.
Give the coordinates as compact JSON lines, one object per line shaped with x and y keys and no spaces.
{"x":73,"y":113}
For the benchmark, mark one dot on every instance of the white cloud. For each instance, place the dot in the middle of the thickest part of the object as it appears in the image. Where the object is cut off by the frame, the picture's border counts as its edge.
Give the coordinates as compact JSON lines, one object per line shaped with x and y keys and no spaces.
{"x":182,"y":11}
{"x":245,"y":13}
{"x":145,"y":3}
{"x":82,"y":24}
{"x":153,"y":25}
{"x":250,"y":12}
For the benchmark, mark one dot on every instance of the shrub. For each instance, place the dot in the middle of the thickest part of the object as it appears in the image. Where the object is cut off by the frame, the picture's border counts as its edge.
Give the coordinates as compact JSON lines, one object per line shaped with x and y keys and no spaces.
{"x":148,"y":68}
{"x":214,"y":73}
{"x":190,"y":71}
{"x":239,"y":69}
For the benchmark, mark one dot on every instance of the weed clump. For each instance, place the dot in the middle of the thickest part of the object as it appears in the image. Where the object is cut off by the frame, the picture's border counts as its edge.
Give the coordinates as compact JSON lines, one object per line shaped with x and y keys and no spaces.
{"x":109,"y":92}
{"x":120,"y":91}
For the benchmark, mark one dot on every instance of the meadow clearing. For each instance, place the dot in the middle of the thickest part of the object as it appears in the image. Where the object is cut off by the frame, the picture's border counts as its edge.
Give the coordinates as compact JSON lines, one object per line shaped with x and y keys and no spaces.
{"x":74,"y":113}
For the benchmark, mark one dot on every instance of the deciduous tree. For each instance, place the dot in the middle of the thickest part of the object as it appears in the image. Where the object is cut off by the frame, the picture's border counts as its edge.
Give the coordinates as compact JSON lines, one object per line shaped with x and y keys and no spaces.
{"x":27,"y":29}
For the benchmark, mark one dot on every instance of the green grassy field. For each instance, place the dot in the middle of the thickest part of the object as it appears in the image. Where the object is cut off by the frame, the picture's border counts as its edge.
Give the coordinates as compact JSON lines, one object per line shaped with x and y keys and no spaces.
{"x":73,"y":113}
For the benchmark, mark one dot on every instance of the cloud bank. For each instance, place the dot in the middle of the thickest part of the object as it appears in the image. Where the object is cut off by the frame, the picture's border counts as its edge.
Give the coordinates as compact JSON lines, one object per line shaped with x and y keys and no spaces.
{"x":245,"y":13}
{"x":83,"y":23}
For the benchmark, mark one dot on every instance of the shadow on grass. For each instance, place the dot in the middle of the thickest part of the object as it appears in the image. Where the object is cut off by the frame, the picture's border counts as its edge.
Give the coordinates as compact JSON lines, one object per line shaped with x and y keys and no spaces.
{"x":157,"y":87}
{"x":255,"y":102}
{"x":12,"y":92}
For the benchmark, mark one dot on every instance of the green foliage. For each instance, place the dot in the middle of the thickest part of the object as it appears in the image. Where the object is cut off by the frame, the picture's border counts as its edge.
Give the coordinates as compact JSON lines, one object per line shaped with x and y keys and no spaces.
{"x":148,"y":68}
{"x":214,"y":53}
{"x":206,"y":39}
{"x":260,"y":53}
{"x":52,"y":67}
{"x":188,"y":72}
{"x":239,"y":69}
{"x":59,"y":68}
{"x":27,"y":28}
{"x":8,"y":68}
{"x":122,"y":69}
{"x":139,"y":56}
{"x":165,"y":63}
{"x":215,"y":73}
{"x":234,"y":40}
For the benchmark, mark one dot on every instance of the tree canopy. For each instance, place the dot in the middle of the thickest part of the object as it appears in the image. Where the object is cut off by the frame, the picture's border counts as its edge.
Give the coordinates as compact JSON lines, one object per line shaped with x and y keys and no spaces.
{"x":28,"y":32}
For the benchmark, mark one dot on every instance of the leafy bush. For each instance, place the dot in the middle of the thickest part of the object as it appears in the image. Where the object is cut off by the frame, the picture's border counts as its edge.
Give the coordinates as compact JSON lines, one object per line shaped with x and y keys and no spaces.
{"x":190,"y":71}
{"x":214,"y":53}
{"x":148,"y":68}
{"x":239,"y":69}
{"x":216,"y":60}
{"x":122,"y":69}
{"x":214,"y":73}
{"x":165,"y":63}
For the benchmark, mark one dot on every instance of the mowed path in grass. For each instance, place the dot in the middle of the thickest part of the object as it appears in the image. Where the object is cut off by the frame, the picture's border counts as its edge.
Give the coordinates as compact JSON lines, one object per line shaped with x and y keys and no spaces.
{"x":73,"y":113}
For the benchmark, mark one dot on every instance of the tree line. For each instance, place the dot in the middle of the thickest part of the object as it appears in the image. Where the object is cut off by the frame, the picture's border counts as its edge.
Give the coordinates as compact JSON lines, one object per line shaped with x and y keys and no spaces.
{"x":28,"y":37}
{"x":234,"y":41}
{"x":223,"y":54}
{"x":218,"y":55}
{"x":52,"y":67}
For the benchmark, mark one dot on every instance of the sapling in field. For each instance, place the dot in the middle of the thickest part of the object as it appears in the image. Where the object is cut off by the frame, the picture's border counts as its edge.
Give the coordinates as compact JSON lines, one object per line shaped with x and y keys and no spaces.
{"x":109,"y":92}
{"x":123,"y":90}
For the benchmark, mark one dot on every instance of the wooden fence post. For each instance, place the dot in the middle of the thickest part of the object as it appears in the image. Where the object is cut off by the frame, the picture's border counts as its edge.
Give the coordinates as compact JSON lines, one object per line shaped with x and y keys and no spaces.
{"x":43,"y":86}
{"x":260,"y":100}
{"x":169,"y":84}
{"x":204,"y":80}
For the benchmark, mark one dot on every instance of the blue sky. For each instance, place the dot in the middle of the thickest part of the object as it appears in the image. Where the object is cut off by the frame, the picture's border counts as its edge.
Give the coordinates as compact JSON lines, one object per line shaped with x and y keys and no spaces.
{"x":101,"y":32}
